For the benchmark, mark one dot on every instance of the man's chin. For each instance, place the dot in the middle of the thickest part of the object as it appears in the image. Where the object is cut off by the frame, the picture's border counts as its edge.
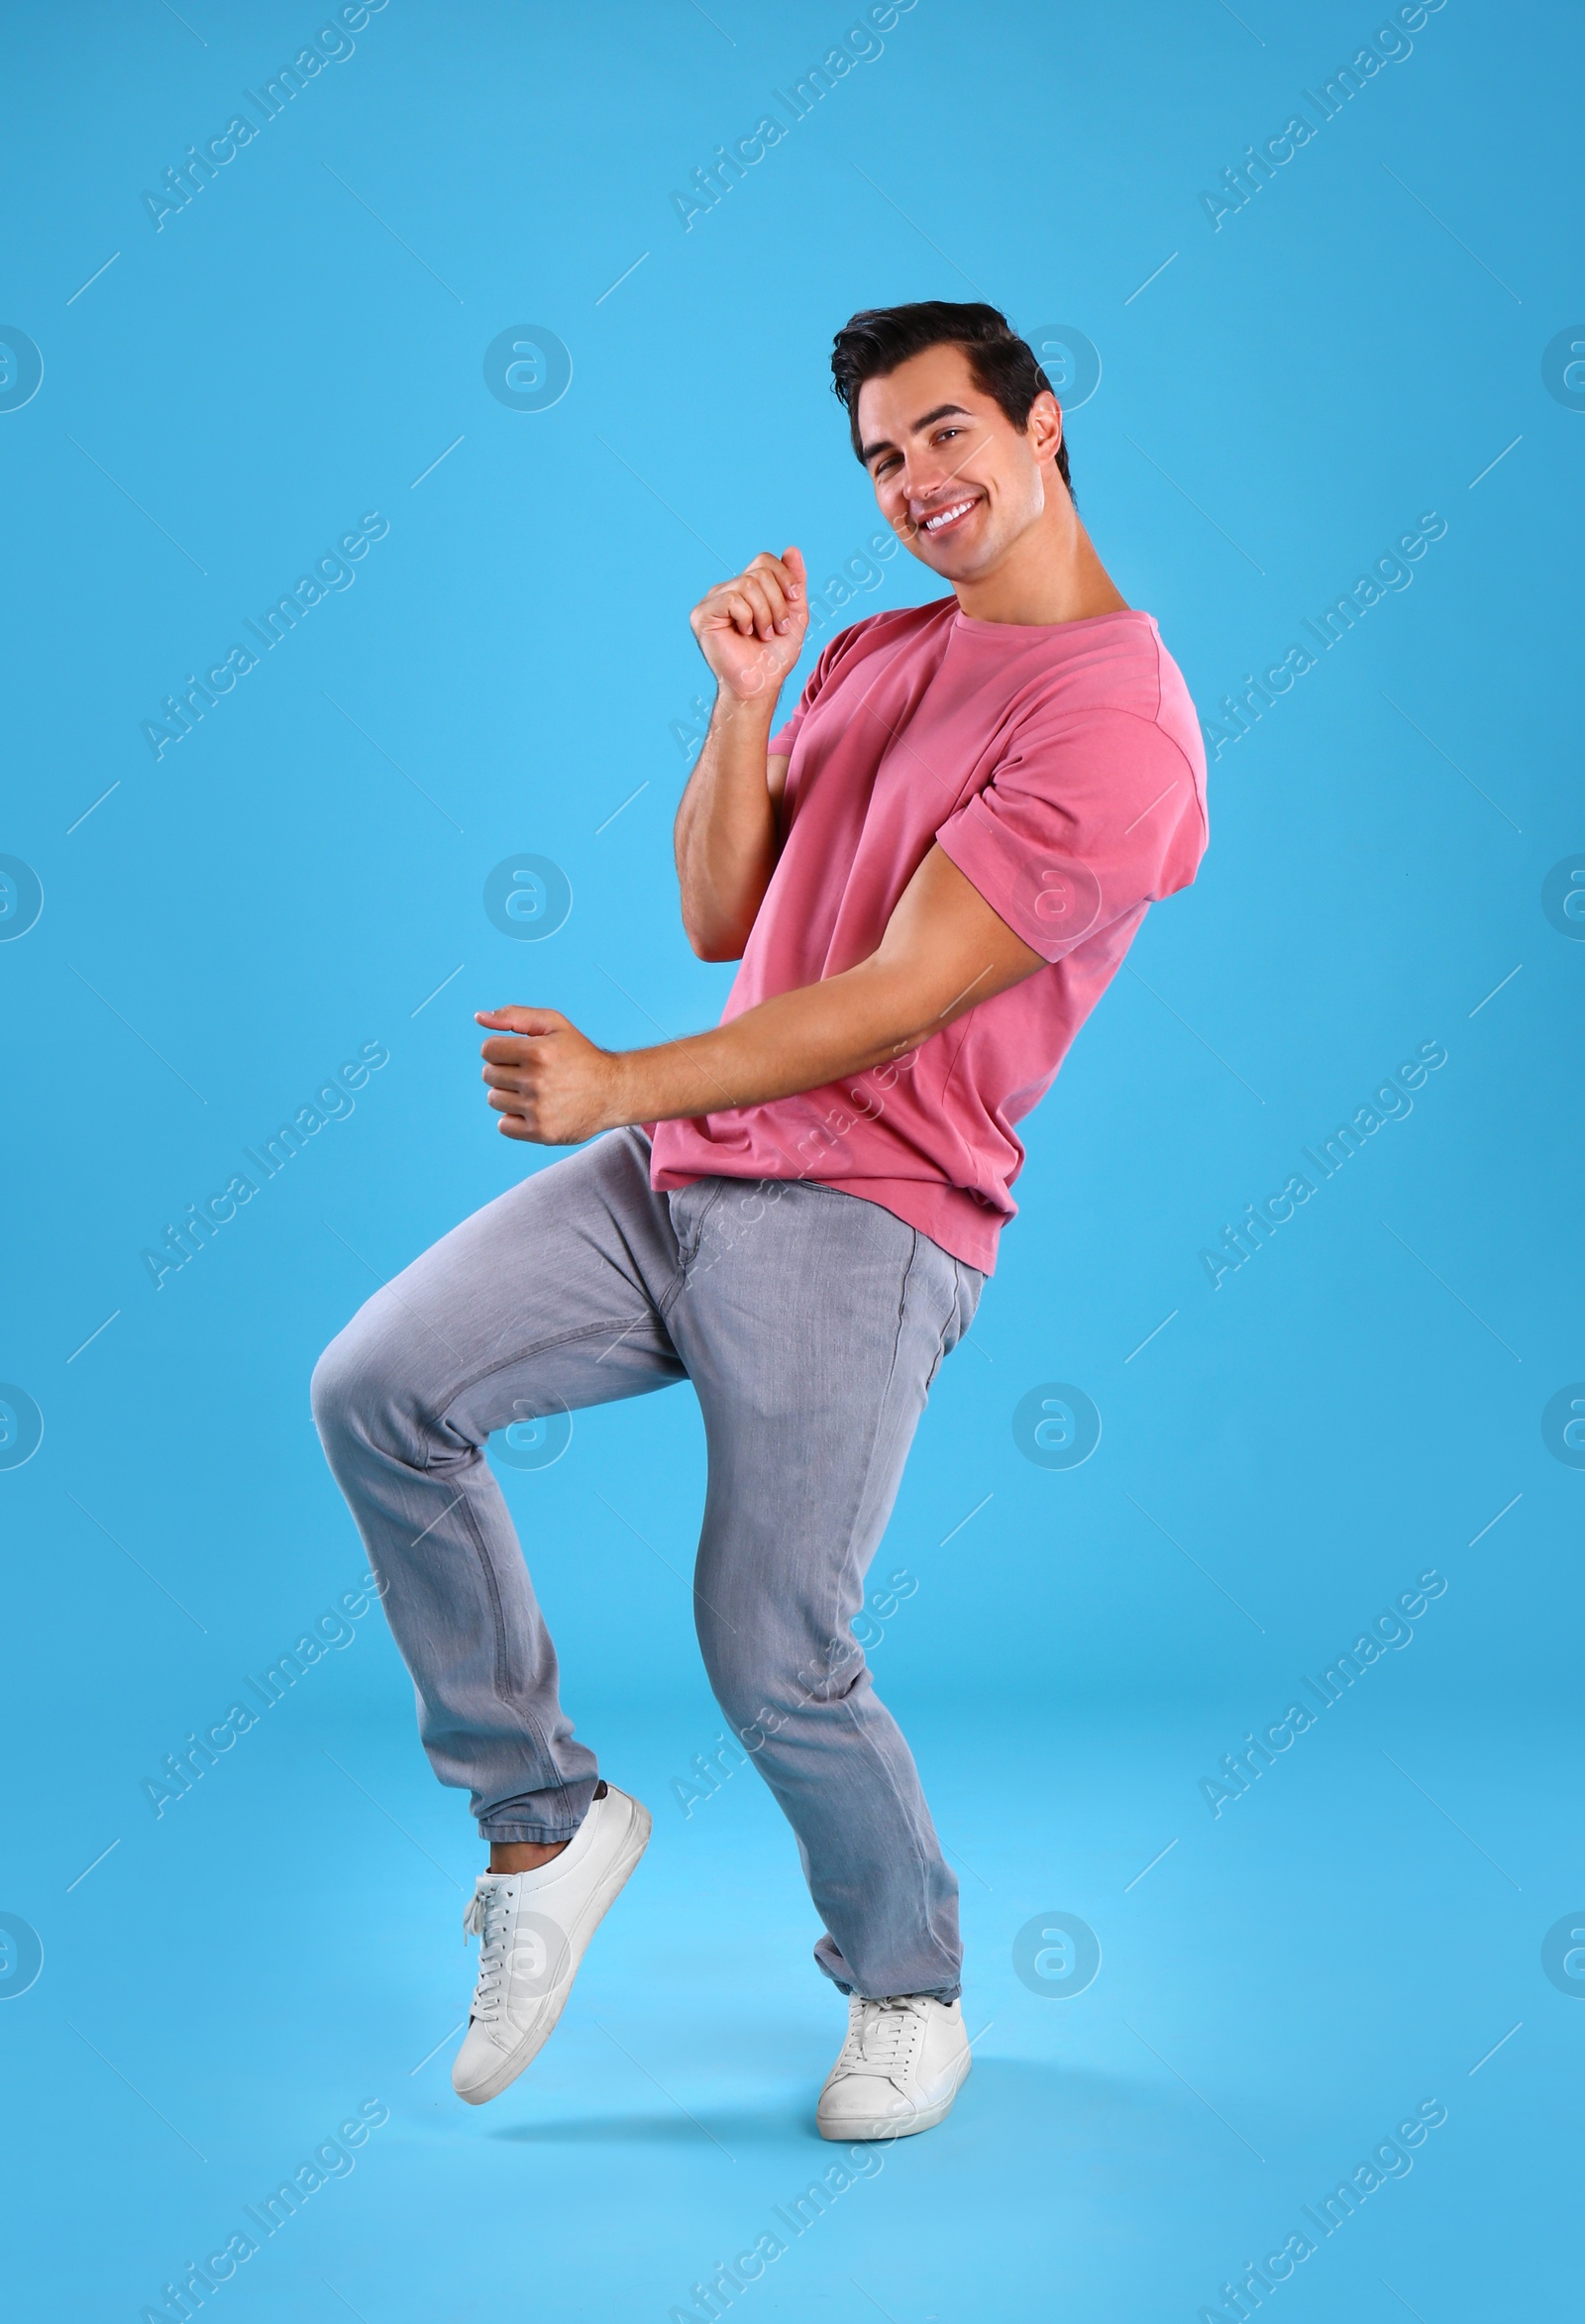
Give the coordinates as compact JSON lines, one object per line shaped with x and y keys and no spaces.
{"x":952,"y":561}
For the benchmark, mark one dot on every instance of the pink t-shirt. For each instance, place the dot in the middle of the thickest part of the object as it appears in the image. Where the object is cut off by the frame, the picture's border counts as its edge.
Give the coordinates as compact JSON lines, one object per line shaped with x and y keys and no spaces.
{"x":1062,"y":770}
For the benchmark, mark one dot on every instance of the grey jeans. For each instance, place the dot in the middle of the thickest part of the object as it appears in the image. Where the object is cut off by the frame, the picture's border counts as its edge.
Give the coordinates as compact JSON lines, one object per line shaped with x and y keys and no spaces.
{"x":811,"y":1325}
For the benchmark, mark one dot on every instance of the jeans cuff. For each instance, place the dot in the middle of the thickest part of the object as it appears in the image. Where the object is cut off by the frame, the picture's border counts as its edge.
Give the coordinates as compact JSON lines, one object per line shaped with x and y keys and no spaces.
{"x":513,"y":1817}
{"x":543,"y":1833}
{"x":930,"y":1994}
{"x":927,"y":1993}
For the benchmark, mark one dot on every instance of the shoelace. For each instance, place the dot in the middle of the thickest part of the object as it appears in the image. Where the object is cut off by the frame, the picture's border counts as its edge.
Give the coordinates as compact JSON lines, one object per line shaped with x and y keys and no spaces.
{"x":882,"y":2035}
{"x":489,"y":1918}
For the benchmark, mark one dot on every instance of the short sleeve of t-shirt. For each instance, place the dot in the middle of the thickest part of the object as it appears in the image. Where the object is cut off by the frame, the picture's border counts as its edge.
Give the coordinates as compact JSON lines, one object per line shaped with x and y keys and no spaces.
{"x":1087,"y":819}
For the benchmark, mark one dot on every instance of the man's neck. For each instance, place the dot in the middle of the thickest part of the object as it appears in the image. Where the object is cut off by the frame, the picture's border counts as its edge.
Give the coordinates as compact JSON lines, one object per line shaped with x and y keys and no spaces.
{"x":1050,"y":573}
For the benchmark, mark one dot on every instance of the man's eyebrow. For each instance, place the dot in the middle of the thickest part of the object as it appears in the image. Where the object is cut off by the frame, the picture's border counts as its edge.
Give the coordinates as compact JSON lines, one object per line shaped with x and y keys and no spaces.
{"x":942,"y":411}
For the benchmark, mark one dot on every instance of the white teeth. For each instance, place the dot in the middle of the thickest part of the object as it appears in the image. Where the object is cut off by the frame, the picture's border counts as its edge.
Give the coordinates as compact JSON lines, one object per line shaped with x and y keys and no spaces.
{"x":946,"y":516}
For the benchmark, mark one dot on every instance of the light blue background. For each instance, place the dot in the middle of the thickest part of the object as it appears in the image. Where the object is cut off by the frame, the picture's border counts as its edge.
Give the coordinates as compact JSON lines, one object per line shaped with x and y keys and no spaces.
{"x":1285,"y":395}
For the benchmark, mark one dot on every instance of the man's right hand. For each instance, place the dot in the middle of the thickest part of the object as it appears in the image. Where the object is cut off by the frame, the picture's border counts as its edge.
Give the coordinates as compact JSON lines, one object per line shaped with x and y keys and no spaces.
{"x":751,"y":630}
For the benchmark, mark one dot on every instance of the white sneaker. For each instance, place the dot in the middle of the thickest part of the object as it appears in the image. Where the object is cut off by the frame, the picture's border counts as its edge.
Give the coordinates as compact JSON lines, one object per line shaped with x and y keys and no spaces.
{"x":901,"y":2066}
{"x":533,"y":1930}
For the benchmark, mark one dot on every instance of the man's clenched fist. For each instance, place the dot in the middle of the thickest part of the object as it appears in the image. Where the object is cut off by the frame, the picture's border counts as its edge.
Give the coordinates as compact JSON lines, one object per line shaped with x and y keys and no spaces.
{"x":751,"y":630}
{"x":549,"y":1085}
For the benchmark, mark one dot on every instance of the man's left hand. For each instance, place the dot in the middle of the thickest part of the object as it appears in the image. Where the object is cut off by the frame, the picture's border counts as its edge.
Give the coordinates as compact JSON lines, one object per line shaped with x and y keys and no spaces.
{"x":549,"y":1085}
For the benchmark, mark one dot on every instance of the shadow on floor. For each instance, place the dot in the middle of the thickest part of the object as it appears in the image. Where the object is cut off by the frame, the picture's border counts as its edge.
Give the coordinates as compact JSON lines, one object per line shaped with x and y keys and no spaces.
{"x":1002,"y":2093}
{"x":731,"y":2127}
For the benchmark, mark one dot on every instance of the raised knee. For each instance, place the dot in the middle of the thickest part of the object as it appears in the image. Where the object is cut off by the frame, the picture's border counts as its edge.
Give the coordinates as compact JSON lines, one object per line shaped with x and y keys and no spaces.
{"x":354,"y":1383}
{"x":330,"y":1390}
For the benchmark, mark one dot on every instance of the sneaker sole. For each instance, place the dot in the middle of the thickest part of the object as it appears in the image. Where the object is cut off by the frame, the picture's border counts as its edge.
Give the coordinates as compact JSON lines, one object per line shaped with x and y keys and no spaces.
{"x":601,"y":1898}
{"x":888,"y":2127}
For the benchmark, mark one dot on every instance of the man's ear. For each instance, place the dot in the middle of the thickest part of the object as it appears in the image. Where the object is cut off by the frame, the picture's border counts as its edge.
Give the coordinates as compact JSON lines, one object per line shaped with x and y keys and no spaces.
{"x":1044,"y":426}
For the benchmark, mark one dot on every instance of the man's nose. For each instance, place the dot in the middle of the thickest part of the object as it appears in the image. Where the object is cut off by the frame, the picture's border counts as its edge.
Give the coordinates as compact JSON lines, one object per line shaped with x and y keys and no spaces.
{"x":924,"y":482}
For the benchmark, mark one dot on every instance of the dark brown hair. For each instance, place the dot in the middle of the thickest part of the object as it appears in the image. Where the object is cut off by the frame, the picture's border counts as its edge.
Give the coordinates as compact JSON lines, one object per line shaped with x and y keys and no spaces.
{"x":874,"y":341}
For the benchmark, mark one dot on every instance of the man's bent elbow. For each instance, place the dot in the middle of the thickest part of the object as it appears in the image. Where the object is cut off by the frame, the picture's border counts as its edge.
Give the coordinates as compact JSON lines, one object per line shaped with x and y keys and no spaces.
{"x":713,"y":940}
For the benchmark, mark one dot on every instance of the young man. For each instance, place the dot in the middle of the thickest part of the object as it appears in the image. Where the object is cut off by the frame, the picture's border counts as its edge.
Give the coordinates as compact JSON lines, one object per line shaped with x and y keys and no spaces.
{"x":929,"y":874}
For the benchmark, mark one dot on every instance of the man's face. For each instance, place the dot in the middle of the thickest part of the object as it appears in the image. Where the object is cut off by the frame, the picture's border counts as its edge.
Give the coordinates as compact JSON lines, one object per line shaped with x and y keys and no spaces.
{"x":954,"y":477}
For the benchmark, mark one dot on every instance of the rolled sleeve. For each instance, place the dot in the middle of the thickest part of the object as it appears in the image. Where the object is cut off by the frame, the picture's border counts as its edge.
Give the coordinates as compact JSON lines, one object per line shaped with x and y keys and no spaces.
{"x":1079,"y":826}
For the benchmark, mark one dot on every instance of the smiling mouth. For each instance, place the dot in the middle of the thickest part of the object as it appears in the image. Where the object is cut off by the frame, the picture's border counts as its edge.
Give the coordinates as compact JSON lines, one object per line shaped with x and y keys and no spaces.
{"x":944,"y":520}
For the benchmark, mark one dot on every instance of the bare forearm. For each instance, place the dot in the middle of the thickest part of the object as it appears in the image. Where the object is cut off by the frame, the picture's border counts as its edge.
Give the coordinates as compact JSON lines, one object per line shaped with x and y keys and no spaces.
{"x":725,"y":835}
{"x":797,"y":1041}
